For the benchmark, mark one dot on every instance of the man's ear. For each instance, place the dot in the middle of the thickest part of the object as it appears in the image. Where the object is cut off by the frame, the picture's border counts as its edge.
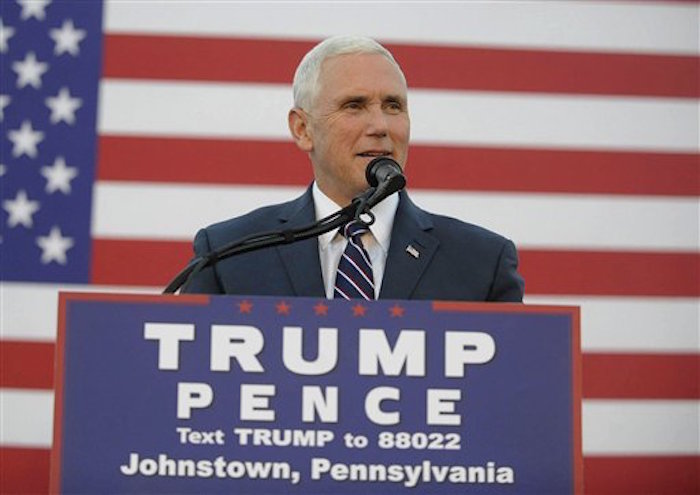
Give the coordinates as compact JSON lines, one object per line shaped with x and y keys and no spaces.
{"x":299,"y":127}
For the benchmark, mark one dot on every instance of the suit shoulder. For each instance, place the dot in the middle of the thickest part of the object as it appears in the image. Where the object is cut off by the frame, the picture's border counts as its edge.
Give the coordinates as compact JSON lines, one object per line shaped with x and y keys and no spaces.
{"x":265,"y":214}
{"x":259,"y":220}
{"x":455,"y":230}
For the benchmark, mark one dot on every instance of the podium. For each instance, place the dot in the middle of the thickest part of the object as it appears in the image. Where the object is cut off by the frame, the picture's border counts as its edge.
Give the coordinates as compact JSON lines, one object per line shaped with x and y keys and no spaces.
{"x":229,"y":394}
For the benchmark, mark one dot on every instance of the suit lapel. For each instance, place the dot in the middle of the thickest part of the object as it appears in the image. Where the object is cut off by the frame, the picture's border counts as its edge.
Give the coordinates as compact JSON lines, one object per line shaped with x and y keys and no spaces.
{"x":410,"y":251}
{"x":301,"y":258}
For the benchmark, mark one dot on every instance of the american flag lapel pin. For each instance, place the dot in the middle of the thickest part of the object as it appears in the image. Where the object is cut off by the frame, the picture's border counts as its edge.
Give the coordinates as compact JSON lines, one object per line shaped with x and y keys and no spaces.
{"x":412,"y":251}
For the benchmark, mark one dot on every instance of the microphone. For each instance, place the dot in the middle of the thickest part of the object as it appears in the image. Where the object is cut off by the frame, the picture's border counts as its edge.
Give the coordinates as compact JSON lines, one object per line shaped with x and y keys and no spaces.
{"x":382,"y":169}
{"x":386,"y":177}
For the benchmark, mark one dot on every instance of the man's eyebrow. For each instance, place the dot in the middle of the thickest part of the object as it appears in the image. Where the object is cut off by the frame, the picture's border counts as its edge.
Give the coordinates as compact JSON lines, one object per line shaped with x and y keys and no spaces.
{"x":363,"y":99}
{"x":396,"y":98}
{"x":352,"y":98}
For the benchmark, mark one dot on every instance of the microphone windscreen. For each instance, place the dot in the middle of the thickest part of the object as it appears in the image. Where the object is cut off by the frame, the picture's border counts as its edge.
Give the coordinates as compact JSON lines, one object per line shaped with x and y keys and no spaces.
{"x":380,"y":168}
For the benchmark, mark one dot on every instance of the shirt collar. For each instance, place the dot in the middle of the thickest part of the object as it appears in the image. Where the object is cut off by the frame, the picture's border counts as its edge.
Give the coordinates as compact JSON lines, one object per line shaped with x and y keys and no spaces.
{"x":384,"y":213}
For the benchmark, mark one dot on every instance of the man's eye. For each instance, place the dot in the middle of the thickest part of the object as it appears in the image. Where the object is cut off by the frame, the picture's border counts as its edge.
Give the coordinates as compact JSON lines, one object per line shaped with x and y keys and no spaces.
{"x":353,"y":105}
{"x":393,"y":106}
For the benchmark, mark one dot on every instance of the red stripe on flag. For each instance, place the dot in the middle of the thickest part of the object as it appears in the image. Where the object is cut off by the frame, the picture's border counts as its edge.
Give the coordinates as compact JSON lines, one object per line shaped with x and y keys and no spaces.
{"x":610,"y":273}
{"x":549,"y":170}
{"x":641,"y":475}
{"x":201,"y":58}
{"x":634,"y":376}
{"x":203,"y":161}
{"x":26,"y":364}
{"x":24,"y":470}
{"x":542,"y":71}
{"x":154,"y":263}
{"x":150,"y":263}
{"x":443,"y":67}
{"x":218,"y":161}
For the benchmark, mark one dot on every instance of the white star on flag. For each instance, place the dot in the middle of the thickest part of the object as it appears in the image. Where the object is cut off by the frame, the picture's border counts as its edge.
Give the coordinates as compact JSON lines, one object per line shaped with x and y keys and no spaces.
{"x":58,"y":176}
{"x":34,"y":8}
{"x":25,"y":140}
{"x":3,"y":169}
{"x":4,"y":101}
{"x":20,"y":210}
{"x":67,"y":38}
{"x":54,"y":246}
{"x":29,"y":71}
{"x":6,"y":32}
{"x":63,"y":106}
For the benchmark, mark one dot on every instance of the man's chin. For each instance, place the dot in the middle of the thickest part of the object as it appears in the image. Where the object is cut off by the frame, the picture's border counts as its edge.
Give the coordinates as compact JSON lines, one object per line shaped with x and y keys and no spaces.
{"x":359,"y":189}
{"x":365,"y":160}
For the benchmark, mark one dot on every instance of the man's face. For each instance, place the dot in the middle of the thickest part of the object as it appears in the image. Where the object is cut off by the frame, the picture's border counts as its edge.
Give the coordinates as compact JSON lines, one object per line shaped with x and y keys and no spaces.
{"x":360,"y":112}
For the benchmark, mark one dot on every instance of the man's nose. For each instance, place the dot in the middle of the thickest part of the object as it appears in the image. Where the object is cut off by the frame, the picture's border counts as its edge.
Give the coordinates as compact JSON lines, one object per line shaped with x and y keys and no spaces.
{"x":377,"y":121}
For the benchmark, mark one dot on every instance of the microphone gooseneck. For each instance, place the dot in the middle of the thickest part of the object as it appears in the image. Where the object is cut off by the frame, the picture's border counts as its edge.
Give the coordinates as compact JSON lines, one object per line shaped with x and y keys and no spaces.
{"x":384,"y":176}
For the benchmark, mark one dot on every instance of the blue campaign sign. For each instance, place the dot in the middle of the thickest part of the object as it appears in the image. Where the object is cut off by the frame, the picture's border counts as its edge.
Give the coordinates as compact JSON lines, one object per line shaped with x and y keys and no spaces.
{"x":220,"y":394}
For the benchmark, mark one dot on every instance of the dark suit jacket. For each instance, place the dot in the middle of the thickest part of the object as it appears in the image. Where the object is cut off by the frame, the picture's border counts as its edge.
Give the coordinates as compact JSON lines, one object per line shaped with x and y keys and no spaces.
{"x":457,"y":261}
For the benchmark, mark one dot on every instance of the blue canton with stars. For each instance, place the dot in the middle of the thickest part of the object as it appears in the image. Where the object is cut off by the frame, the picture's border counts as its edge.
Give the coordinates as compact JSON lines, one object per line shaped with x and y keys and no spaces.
{"x":50,"y":55}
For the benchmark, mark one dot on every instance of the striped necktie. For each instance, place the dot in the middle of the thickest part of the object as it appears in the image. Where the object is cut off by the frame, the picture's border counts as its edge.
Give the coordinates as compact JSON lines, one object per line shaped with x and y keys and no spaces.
{"x":354,"y":278}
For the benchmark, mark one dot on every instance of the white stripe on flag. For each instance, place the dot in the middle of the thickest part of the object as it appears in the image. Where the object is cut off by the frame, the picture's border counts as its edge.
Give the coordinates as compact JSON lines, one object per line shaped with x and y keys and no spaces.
{"x":590,"y":26}
{"x":29,"y":311}
{"x":132,"y":210}
{"x":26,"y":418}
{"x":655,"y":325}
{"x":170,"y":211}
{"x":656,"y":427}
{"x":159,"y":108}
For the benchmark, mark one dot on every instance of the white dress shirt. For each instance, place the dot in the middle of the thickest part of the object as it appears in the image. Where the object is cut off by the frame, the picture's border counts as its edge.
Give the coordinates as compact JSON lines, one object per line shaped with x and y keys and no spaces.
{"x":376,"y":242}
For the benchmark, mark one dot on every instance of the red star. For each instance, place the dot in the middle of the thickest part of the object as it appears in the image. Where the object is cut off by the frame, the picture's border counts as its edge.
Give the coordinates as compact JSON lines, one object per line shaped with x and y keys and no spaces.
{"x":283,"y":308}
{"x":321,"y":309}
{"x":396,"y":311}
{"x":358,"y":310}
{"x":245,"y":307}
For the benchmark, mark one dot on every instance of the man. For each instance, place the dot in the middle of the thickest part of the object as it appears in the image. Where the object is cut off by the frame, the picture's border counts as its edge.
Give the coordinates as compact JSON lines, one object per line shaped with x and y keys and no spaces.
{"x":351,"y":106}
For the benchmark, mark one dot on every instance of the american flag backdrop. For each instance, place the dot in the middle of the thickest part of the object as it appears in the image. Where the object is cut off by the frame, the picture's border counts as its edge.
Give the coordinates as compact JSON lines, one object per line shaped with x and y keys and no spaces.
{"x":570,"y":127}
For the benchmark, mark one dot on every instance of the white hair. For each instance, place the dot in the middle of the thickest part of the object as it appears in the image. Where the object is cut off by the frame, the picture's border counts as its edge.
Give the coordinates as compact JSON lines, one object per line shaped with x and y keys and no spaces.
{"x":306,"y":76}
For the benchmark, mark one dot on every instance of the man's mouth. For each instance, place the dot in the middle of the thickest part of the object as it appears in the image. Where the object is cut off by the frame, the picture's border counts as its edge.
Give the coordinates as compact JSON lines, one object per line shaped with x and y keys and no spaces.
{"x":374,"y":154}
